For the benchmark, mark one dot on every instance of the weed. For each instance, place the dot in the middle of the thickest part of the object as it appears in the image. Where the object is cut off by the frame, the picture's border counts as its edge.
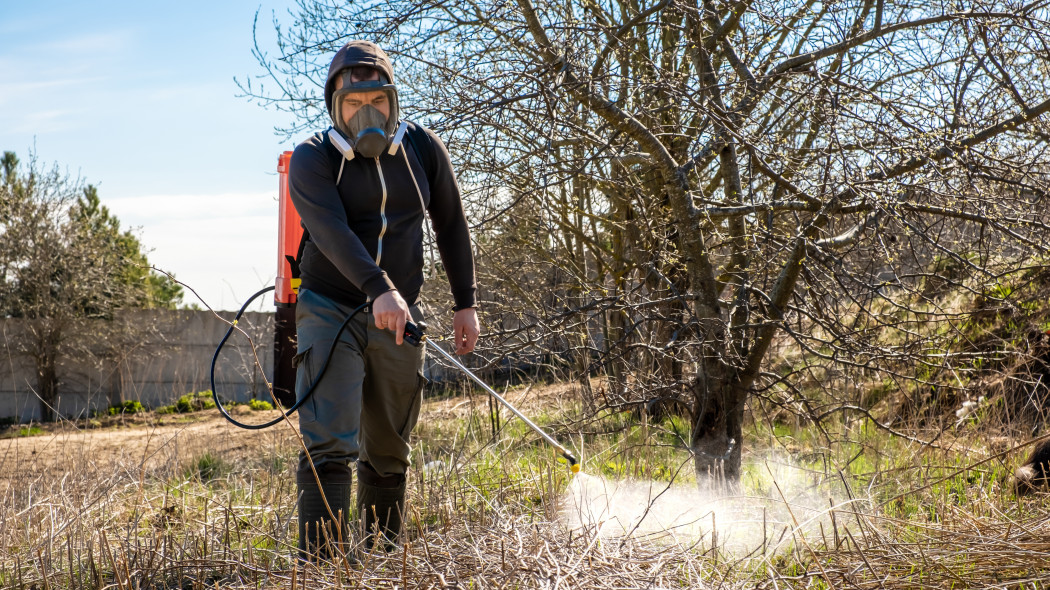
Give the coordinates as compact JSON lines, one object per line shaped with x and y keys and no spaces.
{"x":208,"y":467}
{"x":128,"y":407}
{"x":260,"y":405}
{"x":191,"y":402}
{"x":29,"y":431}
{"x":192,"y":512}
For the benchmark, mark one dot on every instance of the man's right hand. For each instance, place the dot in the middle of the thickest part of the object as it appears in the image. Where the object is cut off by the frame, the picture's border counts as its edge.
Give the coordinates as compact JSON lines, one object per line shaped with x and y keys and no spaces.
{"x":391,"y":313}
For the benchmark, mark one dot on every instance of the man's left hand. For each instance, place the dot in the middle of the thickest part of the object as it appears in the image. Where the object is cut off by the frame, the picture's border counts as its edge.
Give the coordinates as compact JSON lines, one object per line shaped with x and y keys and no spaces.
{"x":466,"y":328}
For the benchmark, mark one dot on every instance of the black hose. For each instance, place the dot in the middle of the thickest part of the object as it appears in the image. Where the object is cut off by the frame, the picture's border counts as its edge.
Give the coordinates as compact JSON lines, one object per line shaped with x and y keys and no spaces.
{"x":309,"y":390}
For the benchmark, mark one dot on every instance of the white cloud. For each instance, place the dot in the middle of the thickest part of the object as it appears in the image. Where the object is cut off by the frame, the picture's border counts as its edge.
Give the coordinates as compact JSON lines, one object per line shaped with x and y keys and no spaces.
{"x":224,"y":246}
{"x":47,"y":121}
{"x":89,"y":44}
{"x":194,"y":206}
{"x":43,"y":87}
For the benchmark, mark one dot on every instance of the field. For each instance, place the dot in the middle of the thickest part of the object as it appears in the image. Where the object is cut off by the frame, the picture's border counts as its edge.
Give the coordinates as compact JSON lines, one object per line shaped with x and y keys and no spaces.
{"x":190,"y":502}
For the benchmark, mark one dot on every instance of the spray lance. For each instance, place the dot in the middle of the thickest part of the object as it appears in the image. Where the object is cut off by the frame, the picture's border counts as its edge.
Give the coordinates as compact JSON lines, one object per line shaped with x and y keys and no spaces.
{"x":286,"y":289}
{"x":414,"y":333}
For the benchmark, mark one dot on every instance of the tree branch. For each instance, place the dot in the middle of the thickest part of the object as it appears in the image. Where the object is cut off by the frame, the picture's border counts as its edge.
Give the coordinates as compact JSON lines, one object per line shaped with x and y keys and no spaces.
{"x":676,"y":186}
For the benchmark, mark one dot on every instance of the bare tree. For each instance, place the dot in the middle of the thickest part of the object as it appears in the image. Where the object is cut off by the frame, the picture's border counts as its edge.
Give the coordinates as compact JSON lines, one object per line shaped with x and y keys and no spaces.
{"x":699,"y":176}
{"x":65,"y":268}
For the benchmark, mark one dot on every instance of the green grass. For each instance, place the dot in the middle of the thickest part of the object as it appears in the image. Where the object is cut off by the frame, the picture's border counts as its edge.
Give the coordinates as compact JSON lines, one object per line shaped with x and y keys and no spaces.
{"x":260,"y":405}
{"x":207,"y":467}
{"x":29,"y":431}
{"x":128,"y":407}
{"x":18,"y":431}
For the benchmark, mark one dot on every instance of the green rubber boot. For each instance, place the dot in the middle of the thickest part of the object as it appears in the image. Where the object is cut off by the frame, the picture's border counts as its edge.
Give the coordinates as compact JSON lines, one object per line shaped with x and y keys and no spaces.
{"x":321,"y":538}
{"x":381,"y":504}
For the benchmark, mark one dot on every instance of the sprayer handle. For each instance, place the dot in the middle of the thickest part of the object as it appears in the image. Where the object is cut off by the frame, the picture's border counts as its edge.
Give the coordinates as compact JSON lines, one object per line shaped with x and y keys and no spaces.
{"x":414,"y":332}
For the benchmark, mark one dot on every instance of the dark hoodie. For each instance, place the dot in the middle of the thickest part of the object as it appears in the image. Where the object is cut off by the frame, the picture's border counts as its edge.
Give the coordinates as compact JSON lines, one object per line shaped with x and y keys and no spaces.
{"x":345,"y":222}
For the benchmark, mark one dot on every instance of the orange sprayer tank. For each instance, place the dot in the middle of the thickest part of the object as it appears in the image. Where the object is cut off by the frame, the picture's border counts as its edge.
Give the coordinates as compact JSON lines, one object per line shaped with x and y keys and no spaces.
{"x":290,"y":232}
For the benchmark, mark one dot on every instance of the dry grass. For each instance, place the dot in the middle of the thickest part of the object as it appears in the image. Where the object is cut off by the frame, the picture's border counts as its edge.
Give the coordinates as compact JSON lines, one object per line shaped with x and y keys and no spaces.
{"x":964,"y":551}
{"x":203,"y":505}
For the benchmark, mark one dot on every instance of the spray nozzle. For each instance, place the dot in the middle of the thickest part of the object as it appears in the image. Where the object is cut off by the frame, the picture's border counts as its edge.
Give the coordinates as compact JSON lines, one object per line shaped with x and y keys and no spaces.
{"x":574,"y":464}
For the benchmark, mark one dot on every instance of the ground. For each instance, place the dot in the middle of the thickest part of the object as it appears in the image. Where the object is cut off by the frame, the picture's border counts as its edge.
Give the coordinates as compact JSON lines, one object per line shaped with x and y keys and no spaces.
{"x":153,"y":441}
{"x":137,"y":442}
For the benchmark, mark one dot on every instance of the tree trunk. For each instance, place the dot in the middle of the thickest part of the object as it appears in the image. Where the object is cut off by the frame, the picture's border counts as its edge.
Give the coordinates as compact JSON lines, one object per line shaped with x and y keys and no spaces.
{"x":116,"y":383}
{"x":616,"y":351}
{"x":583,"y":366}
{"x":46,"y":386}
{"x":717,"y":432}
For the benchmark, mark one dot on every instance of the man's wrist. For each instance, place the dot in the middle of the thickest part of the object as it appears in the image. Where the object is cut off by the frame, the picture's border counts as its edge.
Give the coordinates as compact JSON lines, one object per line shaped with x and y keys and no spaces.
{"x":377,"y":286}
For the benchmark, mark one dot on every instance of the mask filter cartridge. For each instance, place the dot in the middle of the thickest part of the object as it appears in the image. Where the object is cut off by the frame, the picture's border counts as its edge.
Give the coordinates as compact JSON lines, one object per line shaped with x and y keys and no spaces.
{"x":370,"y":142}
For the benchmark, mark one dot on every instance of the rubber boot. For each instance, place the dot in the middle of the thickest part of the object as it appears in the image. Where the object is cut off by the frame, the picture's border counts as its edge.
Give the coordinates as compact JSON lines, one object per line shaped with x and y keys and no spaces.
{"x":381,"y":504}
{"x":321,"y":538}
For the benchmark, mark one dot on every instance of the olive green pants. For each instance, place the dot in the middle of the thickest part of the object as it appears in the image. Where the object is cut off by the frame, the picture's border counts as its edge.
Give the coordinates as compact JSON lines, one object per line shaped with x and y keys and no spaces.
{"x":367,"y":403}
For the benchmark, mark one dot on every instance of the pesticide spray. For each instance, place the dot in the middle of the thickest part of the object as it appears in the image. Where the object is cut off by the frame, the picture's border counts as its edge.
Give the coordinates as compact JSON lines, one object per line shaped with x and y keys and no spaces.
{"x":777,"y":505}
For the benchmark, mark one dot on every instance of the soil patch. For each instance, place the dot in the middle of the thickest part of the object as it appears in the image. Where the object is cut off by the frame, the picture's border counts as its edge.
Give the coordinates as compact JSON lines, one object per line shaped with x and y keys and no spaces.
{"x":139,"y":444}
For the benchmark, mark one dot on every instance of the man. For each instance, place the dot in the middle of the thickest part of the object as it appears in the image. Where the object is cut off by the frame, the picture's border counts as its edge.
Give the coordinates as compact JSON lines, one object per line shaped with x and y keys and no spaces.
{"x":361,"y":194}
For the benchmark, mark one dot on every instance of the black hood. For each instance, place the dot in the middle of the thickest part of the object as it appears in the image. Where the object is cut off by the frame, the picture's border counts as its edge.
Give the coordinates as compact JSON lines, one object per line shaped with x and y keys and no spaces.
{"x":356,"y":53}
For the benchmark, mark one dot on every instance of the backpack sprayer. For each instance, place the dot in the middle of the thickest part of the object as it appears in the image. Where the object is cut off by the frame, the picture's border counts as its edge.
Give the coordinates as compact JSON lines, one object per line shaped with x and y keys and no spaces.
{"x":286,"y":289}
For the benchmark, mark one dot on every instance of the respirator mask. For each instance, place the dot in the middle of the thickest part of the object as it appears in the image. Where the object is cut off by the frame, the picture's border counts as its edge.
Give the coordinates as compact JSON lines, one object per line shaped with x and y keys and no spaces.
{"x":369,"y":130}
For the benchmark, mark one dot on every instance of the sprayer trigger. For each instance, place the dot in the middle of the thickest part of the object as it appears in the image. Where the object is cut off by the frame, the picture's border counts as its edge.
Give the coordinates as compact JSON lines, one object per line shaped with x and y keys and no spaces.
{"x":414,"y":333}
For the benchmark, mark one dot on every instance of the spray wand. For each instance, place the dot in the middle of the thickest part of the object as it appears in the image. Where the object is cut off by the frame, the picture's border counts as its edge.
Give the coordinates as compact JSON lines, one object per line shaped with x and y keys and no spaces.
{"x":415,"y":334}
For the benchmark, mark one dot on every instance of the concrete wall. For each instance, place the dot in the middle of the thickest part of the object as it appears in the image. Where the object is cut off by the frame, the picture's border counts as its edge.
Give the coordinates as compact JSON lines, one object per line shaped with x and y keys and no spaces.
{"x":159,"y":356}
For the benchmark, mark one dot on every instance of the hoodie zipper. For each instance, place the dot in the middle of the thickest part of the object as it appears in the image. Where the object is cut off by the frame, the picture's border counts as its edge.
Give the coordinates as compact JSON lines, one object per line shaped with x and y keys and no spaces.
{"x":382,"y":213}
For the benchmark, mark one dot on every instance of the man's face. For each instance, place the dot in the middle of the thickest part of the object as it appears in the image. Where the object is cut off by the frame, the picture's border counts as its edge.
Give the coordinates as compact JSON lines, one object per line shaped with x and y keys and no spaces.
{"x":355,"y":100}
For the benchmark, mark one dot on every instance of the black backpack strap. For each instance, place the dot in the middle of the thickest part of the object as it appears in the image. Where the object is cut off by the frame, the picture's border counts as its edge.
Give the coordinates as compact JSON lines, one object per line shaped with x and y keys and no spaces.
{"x":335,"y":159}
{"x":294,"y":262}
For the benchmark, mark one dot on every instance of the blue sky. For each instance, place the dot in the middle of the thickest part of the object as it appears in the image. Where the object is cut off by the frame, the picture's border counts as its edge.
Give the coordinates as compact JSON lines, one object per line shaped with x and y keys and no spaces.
{"x":139,"y":99}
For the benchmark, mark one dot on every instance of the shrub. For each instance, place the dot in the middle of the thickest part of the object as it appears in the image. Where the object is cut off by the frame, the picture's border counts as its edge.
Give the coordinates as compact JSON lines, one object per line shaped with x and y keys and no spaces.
{"x":30,"y":431}
{"x":194,"y":402}
{"x":258,"y":404}
{"x":128,"y":407}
